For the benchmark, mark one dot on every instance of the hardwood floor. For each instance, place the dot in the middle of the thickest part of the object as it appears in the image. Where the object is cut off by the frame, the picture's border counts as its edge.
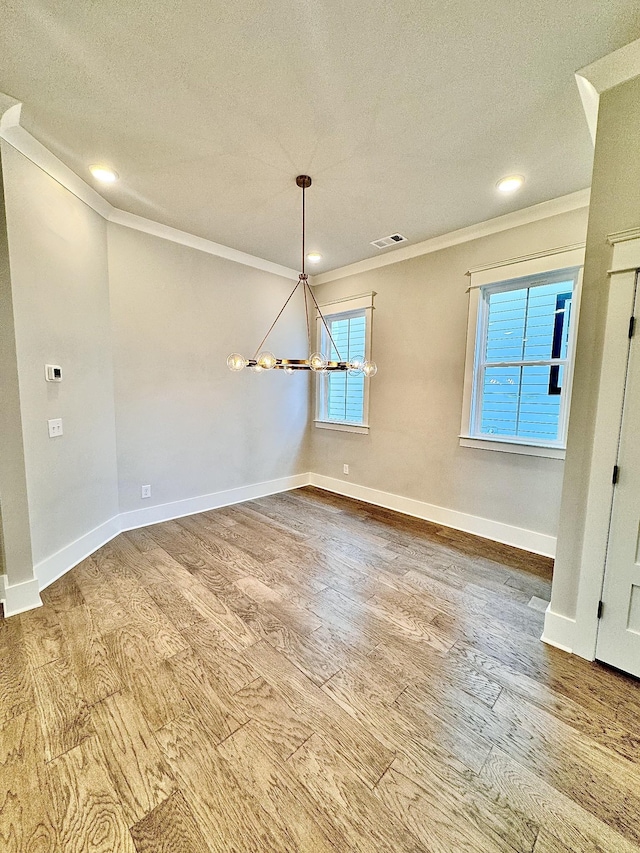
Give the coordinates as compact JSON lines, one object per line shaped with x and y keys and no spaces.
{"x":305,"y":672}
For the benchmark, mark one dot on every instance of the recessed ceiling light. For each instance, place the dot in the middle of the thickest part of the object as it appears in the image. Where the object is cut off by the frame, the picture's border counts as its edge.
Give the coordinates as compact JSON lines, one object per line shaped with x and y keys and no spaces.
{"x":510,"y":184}
{"x":314,"y":257}
{"x":104,"y":174}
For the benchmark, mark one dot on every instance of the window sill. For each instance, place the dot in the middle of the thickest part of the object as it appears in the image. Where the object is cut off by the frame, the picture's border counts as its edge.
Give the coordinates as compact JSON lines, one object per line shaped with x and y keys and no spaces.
{"x":343,"y":426}
{"x":505,"y":446}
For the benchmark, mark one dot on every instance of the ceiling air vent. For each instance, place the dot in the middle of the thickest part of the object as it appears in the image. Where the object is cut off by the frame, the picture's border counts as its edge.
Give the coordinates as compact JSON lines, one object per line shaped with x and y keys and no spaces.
{"x":391,"y":240}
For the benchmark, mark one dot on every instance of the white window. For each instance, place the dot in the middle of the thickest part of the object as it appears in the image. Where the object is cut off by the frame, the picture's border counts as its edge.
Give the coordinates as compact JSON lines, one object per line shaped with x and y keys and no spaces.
{"x":522,"y":361}
{"x":342,"y":397}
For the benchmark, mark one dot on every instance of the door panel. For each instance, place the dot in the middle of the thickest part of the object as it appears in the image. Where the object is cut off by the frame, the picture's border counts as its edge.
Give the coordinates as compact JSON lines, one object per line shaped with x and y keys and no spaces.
{"x":619,"y":630}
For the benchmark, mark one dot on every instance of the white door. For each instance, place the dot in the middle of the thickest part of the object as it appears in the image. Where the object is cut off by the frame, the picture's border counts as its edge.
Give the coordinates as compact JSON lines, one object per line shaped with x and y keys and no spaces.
{"x":619,"y":630}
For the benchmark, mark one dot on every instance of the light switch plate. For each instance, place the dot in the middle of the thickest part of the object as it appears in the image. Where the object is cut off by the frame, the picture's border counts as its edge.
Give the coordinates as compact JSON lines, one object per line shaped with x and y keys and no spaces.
{"x":55,"y":427}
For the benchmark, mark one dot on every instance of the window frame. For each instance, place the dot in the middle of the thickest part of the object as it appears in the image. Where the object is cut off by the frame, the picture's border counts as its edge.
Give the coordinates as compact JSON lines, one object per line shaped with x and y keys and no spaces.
{"x":352,"y":306}
{"x":525,"y":272}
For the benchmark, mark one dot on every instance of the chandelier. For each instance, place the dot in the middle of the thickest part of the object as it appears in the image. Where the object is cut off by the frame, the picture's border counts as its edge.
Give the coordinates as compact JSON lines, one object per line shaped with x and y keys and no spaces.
{"x":316,"y":361}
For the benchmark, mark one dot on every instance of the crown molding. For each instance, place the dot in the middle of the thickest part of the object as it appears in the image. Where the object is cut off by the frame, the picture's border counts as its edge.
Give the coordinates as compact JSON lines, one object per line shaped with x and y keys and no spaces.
{"x":15,"y":135}
{"x":184,"y":238}
{"x":544,"y":210}
{"x":12,"y":132}
{"x":603,"y":74}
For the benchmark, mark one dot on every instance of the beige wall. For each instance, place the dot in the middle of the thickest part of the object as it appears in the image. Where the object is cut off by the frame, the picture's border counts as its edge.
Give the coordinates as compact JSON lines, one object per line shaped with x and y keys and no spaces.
{"x":615,"y":206}
{"x":58,"y":257}
{"x":419,"y":340}
{"x":186,"y":425}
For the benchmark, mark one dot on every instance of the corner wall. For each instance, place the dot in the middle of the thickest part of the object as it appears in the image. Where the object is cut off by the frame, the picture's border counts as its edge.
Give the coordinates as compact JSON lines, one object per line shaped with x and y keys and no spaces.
{"x":419,"y":343}
{"x":58,"y":260}
{"x":186,"y":425}
{"x":615,"y":206}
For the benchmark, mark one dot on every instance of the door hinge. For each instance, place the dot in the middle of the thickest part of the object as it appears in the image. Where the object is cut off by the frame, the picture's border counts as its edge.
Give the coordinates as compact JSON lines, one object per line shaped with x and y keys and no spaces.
{"x":600,"y":609}
{"x":616,"y":474}
{"x":632,"y":326}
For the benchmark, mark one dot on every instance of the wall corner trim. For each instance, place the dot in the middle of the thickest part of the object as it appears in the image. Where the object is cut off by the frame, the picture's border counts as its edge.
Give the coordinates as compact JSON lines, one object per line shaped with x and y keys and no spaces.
{"x":559,"y":631}
{"x":517,"y":537}
{"x":605,"y":73}
{"x":19,"y":597}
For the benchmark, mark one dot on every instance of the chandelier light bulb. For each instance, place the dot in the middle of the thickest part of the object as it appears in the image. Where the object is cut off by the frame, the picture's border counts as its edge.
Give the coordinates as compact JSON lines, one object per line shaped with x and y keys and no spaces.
{"x":236,"y":362}
{"x":317,"y":362}
{"x":267,"y":360}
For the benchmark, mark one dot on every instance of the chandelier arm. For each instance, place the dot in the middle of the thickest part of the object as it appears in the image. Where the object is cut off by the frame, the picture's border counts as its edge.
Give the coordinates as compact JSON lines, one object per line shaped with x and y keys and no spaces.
{"x":323,"y":319}
{"x":306,"y":316}
{"x":276,"y":320}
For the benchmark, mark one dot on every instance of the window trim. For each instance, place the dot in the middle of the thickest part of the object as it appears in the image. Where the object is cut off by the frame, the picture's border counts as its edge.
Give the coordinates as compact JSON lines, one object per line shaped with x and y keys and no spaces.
{"x":517,"y":271}
{"x":347,"y":306}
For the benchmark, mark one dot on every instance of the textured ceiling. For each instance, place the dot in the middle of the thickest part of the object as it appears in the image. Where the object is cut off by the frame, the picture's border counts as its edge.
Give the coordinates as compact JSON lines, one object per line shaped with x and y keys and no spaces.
{"x":404,"y":113}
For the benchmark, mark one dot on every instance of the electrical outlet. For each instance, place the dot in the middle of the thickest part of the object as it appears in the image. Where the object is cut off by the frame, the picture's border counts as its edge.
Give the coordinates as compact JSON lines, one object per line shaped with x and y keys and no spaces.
{"x":345,"y":469}
{"x":145,"y":492}
{"x":55,"y":427}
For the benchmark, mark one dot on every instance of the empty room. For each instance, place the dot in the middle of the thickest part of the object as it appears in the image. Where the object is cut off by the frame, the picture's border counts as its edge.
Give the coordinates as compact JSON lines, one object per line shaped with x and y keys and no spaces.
{"x":319,"y":458}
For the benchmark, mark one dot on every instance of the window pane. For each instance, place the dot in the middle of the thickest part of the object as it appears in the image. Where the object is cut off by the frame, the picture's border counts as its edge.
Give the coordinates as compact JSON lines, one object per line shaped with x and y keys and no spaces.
{"x":523,"y":324}
{"x":506,"y":325}
{"x":345,"y":394}
{"x":544,"y":308}
{"x":516,"y":403}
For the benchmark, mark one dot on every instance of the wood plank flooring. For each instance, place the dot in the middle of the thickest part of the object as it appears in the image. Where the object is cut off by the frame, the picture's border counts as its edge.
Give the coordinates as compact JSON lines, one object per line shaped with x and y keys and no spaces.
{"x":306,"y":672}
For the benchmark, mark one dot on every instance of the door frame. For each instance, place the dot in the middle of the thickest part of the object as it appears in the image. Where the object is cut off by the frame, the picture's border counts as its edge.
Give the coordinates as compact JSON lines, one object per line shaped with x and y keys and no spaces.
{"x":613,"y":373}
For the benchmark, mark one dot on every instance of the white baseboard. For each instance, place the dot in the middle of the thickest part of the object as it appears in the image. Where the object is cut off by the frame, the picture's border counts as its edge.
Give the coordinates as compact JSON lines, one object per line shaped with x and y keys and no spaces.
{"x":19,"y":597}
{"x":25,"y":596}
{"x":202,"y":503}
{"x":51,"y":568}
{"x":518,"y":537}
{"x":559,"y":631}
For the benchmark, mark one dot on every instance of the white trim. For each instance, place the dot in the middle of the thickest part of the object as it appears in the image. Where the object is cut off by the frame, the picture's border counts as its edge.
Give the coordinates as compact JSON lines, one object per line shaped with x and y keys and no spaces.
{"x":559,"y":631}
{"x":359,"y":302}
{"x":520,"y":272}
{"x":343,"y":426}
{"x":178,"y":509}
{"x":554,"y":207}
{"x":590,"y":103}
{"x":58,"y":564}
{"x":51,"y":568}
{"x":15,"y":135}
{"x":504,"y":446}
{"x":527,"y":265}
{"x":165,"y":232}
{"x":620,"y":306}
{"x":25,"y":596}
{"x":518,"y":537}
{"x":623,"y":236}
{"x":19,"y":597}
{"x":605,"y":73}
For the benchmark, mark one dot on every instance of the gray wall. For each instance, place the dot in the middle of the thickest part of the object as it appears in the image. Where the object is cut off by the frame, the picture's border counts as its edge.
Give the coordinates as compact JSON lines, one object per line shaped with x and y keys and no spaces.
{"x":186,"y":425}
{"x":419,"y":341}
{"x":15,"y":533}
{"x":58,"y":257}
{"x":615,"y":206}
